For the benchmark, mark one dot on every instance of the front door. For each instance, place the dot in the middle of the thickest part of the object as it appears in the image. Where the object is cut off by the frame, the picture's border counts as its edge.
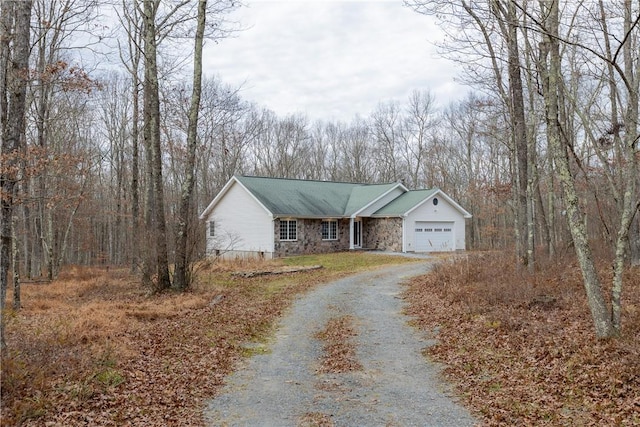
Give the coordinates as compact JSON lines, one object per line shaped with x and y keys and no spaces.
{"x":357,"y":233}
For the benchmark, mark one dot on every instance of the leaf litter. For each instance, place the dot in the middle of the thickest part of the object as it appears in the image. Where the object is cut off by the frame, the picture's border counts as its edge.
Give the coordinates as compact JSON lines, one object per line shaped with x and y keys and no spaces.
{"x":96,"y":348}
{"x":517,"y":361}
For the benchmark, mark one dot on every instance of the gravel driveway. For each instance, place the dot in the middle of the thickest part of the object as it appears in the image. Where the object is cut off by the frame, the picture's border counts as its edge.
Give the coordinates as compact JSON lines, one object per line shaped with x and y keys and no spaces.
{"x":396,"y":387}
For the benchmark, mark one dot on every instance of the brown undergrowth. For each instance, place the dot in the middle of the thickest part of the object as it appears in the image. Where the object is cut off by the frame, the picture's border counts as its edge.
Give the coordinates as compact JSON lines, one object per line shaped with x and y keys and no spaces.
{"x":96,"y":348}
{"x":521,"y":349}
{"x":339,"y":352}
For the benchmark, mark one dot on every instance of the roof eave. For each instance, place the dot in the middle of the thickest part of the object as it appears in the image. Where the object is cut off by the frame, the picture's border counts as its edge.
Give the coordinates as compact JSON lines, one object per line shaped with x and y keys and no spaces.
{"x":296,"y":216}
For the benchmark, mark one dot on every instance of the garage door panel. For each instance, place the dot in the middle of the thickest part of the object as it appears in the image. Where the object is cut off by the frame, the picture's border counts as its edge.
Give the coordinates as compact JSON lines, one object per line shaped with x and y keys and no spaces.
{"x":433,"y":236}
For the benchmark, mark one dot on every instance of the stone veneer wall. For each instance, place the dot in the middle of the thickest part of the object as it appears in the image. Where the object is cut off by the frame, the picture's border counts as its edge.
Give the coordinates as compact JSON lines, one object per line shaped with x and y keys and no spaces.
{"x":384,"y":234}
{"x":310,"y":238}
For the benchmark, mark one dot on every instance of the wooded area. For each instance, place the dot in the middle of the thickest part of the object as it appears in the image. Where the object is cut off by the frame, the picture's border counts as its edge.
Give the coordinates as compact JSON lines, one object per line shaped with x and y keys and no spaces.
{"x":113,"y":168}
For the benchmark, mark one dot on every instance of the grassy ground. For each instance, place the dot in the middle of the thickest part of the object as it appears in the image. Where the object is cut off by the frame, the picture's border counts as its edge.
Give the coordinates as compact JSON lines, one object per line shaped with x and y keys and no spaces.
{"x":95,"y":348}
{"x":521,"y":349}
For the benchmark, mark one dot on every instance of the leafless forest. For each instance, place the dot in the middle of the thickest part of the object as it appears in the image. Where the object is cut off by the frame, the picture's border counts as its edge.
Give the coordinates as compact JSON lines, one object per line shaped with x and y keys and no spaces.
{"x":113,"y":168}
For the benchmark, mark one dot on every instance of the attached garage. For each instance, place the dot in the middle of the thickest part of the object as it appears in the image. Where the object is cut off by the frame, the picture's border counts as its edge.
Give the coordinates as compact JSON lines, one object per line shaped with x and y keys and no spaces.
{"x":434,"y":236}
{"x":431,"y":221}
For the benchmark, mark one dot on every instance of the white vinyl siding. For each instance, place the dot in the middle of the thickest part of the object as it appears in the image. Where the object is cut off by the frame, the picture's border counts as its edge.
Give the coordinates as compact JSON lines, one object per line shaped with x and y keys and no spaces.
{"x":330,"y":229}
{"x":442,"y":216}
{"x":241,"y":224}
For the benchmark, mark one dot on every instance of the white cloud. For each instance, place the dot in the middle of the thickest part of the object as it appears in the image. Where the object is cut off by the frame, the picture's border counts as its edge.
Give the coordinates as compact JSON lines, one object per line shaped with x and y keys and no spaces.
{"x":332,"y":59}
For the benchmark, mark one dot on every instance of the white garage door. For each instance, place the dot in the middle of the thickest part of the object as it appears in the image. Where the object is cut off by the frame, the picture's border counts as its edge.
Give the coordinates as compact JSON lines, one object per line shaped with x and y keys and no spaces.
{"x":434,"y":236}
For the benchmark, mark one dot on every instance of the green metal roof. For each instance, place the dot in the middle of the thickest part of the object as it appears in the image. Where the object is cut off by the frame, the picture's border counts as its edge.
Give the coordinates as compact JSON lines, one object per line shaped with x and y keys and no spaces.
{"x":405,"y":202}
{"x":363,"y":194}
{"x":302,"y":198}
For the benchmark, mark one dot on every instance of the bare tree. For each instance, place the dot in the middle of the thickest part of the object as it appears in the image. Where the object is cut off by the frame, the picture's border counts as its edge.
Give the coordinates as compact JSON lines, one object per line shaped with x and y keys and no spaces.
{"x":158,"y":225}
{"x":228,"y":130}
{"x":628,"y":142}
{"x":607,"y":322}
{"x":551,"y":75}
{"x":130,"y":56}
{"x":55,"y":25}
{"x":417,"y":129}
{"x":357,"y":165}
{"x":582,"y":59}
{"x":282,"y":145}
{"x":490,"y":30}
{"x":15,"y":19}
{"x":182,"y":277}
{"x":387,"y":127}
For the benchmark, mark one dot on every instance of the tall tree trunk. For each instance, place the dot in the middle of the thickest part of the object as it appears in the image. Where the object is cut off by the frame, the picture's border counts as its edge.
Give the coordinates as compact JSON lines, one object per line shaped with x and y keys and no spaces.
{"x":520,"y":139}
{"x":49,"y":243}
{"x":16,"y":16}
{"x":44,"y":231}
{"x":148,"y":254}
{"x":630,"y":197}
{"x":135,"y":174}
{"x":507,"y":20}
{"x":551,"y":72}
{"x":131,"y":21}
{"x":634,"y":237}
{"x":17,"y":304}
{"x":182,"y":278}
{"x":551,"y":202}
{"x":152,"y":117}
{"x":530,"y":208}
{"x":27,"y":235}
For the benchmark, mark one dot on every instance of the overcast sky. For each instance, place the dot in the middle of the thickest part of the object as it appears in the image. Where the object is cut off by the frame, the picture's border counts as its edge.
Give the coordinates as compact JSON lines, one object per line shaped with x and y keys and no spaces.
{"x":332,"y":59}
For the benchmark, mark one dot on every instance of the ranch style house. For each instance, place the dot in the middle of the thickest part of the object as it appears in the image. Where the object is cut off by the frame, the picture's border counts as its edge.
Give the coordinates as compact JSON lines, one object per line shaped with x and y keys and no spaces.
{"x":275,"y":217}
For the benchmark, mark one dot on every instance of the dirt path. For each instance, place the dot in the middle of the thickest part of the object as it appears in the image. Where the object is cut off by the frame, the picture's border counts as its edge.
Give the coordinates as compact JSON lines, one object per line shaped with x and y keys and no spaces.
{"x":396,"y":387}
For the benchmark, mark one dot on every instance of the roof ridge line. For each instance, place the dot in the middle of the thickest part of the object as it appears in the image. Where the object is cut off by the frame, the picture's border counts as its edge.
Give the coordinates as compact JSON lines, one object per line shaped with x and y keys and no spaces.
{"x":315,"y":180}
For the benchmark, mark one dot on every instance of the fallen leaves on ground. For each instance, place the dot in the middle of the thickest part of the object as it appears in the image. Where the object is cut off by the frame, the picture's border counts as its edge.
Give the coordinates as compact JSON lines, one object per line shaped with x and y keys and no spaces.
{"x":339,"y":352}
{"x":122,"y":357}
{"x":96,"y":348}
{"x":521,"y":349}
{"x":315,"y":419}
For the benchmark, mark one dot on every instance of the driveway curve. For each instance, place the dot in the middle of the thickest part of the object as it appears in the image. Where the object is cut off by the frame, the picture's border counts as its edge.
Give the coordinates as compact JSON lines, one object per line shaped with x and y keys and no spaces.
{"x":397,"y":386}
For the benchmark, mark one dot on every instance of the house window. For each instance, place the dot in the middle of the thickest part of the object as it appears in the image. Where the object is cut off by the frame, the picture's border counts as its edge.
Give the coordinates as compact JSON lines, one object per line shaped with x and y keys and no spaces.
{"x":330,"y":229}
{"x":288,"y":229}
{"x":212,"y":228}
